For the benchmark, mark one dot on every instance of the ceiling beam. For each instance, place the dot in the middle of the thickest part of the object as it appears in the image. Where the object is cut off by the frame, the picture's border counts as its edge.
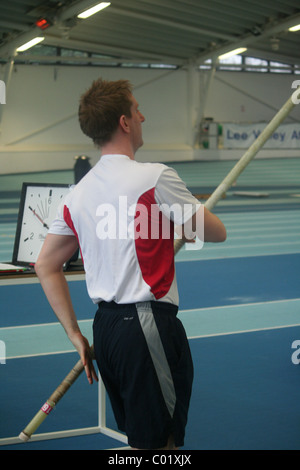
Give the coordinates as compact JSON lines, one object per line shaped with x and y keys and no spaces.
{"x":118,"y":51}
{"x":169,"y":23}
{"x":276,"y":56}
{"x":227,"y":42}
{"x":249,"y":39}
{"x":74,"y":9}
{"x":9,"y":48}
{"x":58,"y":59}
{"x":15,"y":25}
{"x":63,"y":14}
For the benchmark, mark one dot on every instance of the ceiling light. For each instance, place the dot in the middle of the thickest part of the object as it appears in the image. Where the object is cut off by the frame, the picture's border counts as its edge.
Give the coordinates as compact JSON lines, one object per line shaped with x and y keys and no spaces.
{"x":30,"y":44}
{"x":295,"y":28}
{"x":93,"y":10}
{"x":231,"y":53}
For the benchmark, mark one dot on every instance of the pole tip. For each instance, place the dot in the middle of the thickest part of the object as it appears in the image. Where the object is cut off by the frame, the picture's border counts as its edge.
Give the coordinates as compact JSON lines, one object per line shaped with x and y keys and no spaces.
{"x":24,"y":437}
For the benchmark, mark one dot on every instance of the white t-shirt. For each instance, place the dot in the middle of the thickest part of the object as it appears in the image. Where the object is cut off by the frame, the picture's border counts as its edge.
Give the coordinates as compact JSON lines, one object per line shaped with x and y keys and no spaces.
{"x":123,"y":214}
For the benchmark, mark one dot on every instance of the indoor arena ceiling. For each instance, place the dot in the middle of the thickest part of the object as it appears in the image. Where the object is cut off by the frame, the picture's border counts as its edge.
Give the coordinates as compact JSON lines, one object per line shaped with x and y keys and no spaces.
{"x":165,"y":31}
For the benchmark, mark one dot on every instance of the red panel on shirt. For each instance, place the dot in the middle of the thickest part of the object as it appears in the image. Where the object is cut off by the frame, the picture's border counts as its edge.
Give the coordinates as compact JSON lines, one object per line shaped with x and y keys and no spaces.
{"x":154,"y":242}
{"x":69,"y":222}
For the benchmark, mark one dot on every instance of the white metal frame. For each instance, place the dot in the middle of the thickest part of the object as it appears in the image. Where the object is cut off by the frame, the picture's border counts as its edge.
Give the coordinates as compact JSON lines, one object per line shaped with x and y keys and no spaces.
{"x":101,"y":428}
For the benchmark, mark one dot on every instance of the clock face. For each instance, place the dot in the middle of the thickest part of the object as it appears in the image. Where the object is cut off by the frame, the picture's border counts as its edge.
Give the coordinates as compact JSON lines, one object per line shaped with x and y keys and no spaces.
{"x":38,"y":208}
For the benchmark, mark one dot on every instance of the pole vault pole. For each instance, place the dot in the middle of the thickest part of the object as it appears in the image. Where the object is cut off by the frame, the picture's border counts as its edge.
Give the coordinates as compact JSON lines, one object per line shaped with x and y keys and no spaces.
{"x":210,"y":203}
{"x":247,"y":157}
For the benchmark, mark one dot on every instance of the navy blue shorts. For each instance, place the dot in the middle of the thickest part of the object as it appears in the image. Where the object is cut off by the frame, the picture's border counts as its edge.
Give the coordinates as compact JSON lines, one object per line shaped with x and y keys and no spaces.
{"x":144,"y":359}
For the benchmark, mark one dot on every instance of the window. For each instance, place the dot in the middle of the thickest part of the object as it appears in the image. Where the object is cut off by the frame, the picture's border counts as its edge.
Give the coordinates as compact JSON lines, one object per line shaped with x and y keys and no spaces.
{"x":278,"y":67}
{"x":43,"y":54}
{"x":206,"y":65}
{"x":40,"y":50}
{"x":138,"y":65}
{"x":258,"y":65}
{"x":68,"y":53}
{"x":230,"y":63}
{"x":103,"y":60}
{"x":163,"y":66}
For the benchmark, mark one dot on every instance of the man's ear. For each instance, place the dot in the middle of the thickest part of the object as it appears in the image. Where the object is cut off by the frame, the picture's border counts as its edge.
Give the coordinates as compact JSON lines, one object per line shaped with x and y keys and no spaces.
{"x":124,"y":123}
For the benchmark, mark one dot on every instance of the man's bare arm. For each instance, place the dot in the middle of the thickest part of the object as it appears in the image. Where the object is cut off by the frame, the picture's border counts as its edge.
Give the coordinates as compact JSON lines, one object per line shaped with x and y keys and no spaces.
{"x":205,"y":225}
{"x":56,"y":250}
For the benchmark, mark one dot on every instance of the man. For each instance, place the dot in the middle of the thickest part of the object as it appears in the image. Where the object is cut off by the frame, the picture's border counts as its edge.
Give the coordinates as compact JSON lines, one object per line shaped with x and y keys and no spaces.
{"x":122,"y":216}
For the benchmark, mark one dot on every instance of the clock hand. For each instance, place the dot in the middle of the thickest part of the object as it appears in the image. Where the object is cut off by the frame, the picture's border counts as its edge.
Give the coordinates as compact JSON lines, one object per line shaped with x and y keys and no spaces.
{"x":39,"y":218}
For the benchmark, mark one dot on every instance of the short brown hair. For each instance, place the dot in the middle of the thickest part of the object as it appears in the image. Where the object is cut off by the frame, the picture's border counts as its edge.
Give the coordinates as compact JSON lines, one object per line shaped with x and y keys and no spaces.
{"x":101,"y":107}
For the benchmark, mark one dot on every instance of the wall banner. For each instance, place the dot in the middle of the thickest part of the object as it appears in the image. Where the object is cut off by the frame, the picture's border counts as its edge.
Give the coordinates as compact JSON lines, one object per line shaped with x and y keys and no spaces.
{"x":241,"y":136}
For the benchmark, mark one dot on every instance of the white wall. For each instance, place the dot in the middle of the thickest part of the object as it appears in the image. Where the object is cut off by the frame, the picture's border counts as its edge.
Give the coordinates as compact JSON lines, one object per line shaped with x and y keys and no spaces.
{"x":250,"y":97}
{"x":39,"y":129}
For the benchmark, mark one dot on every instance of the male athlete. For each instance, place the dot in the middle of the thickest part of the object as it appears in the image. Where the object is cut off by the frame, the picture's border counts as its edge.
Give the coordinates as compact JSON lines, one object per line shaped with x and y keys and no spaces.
{"x":122,"y":216}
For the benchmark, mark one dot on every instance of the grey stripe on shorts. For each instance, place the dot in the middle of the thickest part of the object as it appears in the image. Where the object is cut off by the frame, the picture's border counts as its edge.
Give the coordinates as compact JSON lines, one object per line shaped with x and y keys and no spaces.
{"x":157,"y":353}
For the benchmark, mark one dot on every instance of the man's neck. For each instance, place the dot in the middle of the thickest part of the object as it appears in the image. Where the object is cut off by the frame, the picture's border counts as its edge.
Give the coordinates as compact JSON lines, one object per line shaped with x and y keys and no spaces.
{"x":113,"y":148}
